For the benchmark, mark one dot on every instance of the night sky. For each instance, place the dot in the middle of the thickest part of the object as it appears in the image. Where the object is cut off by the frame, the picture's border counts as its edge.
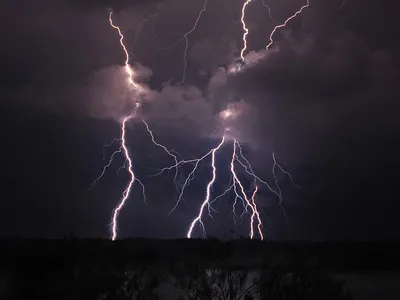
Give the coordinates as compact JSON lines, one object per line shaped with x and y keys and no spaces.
{"x":324,"y":98}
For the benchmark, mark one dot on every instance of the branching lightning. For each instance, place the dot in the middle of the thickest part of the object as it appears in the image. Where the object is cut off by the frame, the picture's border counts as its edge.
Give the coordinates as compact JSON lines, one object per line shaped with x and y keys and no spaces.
{"x":127,"y":191}
{"x":239,"y":164}
{"x":235,"y":185}
{"x":208,"y":191}
{"x":128,"y":68}
{"x":243,"y":193}
{"x":271,"y":41}
{"x":169,"y":152}
{"x":186,"y":39}
{"x":141,"y":26}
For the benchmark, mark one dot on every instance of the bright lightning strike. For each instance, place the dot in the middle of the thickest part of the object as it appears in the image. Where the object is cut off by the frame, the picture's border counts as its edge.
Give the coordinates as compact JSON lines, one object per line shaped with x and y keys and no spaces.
{"x":271,"y":41}
{"x":235,"y":185}
{"x":189,"y":178}
{"x":243,"y":194}
{"x":128,"y":68}
{"x":208,"y":192}
{"x":245,"y":29}
{"x":127,"y":191}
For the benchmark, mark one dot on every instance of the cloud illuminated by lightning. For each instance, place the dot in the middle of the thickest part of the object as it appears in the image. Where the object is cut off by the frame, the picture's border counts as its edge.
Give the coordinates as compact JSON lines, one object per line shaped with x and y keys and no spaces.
{"x":271,"y":41}
{"x":235,"y":185}
{"x":128,"y":68}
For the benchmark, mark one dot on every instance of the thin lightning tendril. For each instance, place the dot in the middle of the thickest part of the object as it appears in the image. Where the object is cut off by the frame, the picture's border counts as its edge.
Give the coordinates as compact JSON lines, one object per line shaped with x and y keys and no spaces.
{"x":141,"y":26}
{"x":189,"y":178}
{"x":276,"y":164}
{"x":186,"y":39}
{"x":169,"y":152}
{"x":269,"y":9}
{"x":105,"y":167}
{"x":271,"y":41}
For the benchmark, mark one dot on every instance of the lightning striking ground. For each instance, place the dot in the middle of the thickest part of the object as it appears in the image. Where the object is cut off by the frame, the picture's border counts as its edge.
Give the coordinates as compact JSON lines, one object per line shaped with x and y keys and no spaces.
{"x":243,"y":193}
{"x":208,"y":192}
{"x":271,"y":41}
{"x":127,"y":191}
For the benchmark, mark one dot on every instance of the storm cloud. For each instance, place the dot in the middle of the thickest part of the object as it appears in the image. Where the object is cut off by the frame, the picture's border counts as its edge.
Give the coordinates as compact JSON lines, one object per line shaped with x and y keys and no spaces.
{"x":324,"y":97}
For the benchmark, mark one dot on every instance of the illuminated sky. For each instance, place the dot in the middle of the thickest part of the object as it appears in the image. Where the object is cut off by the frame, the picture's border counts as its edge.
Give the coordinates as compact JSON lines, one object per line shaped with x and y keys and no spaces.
{"x":324,"y":98}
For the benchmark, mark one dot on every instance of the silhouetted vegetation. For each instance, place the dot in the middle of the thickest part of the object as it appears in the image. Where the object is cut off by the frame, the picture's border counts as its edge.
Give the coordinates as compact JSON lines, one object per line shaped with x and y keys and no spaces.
{"x":182,"y":269}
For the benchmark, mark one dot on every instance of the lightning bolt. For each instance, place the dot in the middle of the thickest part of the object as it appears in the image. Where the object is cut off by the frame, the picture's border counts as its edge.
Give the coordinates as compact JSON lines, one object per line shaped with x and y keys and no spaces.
{"x":189,"y":178}
{"x":208,"y":192}
{"x":277,"y":165}
{"x":245,"y":29}
{"x":186,"y":39}
{"x":235,"y":185}
{"x":105,"y":167}
{"x":169,"y":152}
{"x":271,"y":41}
{"x":269,"y":9}
{"x":127,"y":191}
{"x":243,"y":194}
{"x":141,"y":26}
{"x":109,"y":145}
{"x":256,"y":213}
{"x":127,"y":67}
{"x":129,"y":167}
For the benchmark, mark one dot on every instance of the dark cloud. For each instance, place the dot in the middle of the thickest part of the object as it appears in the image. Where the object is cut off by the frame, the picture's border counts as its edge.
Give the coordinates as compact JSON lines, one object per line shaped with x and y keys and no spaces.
{"x":324,"y":97}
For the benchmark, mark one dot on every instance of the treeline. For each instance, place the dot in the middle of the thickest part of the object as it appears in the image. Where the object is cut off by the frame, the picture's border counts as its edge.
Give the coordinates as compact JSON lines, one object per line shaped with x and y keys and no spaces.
{"x":178,"y":281}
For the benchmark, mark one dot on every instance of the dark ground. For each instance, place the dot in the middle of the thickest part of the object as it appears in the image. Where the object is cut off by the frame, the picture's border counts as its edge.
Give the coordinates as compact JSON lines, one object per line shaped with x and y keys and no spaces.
{"x":27,"y":264}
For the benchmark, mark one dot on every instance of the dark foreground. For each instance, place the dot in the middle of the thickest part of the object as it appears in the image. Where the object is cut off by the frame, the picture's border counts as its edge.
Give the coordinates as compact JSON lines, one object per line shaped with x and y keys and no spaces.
{"x":195,"y":269}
